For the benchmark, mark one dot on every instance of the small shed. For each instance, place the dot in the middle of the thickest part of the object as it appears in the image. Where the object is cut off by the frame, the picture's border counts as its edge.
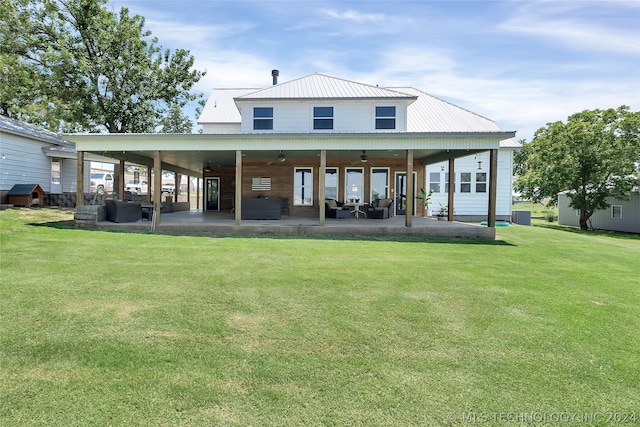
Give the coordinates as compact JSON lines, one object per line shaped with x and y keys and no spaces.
{"x":26,"y":195}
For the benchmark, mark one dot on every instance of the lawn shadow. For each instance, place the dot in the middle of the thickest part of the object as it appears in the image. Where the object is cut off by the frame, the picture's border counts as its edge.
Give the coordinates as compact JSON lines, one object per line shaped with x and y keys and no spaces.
{"x":69,"y":225}
{"x":576,"y":230}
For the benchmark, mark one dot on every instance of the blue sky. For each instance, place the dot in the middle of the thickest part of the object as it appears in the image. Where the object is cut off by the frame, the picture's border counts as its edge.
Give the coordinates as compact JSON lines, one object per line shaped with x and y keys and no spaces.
{"x":520,"y":63}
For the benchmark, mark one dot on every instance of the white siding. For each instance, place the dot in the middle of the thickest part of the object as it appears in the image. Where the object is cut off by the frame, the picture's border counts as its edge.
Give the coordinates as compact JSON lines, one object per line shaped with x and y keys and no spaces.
{"x":221,"y":128}
{"x":23,"y":163}
{"x":475,"y":203}
{"x":348,"y":116}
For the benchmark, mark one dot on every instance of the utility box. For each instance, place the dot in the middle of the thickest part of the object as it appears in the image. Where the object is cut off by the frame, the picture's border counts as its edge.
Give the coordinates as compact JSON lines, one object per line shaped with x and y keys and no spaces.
{"x":26,"y":195}
{"x":521,"y":217}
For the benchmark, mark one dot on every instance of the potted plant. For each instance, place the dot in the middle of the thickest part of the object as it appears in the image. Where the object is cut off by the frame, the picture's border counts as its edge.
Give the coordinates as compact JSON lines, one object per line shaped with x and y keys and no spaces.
{"x":425,"y":200}
{"x":443,"y":214}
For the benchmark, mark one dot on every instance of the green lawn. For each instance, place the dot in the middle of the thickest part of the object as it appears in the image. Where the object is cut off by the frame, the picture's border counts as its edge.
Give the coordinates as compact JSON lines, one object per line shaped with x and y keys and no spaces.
{"x":106,"y":328}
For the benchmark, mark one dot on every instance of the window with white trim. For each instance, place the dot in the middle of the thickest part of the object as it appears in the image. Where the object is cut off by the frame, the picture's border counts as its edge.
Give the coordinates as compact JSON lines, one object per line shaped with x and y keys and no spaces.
{"x":379,"y":183}
{"x":434,"y":182}
{"x":465,"y":182}
{"x":386,"y":117}
{"x":446,"y":182}
{"x":616,"y":211}
{"x":322,"y":118}
{"x":303,"y":186}
{"x":263,"y":118}
{"x":331,"y":183}
{"x":481,"y":182}
{"x":354,"y":185}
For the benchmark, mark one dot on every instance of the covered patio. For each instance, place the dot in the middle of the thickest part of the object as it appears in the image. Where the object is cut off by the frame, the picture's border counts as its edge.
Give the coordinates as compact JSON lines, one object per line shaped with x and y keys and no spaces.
{"x":224,"y":224}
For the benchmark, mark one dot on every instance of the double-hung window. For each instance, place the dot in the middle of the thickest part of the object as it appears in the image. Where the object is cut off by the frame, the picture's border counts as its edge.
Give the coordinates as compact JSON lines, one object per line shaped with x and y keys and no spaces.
{"x":322,"y":118}
{"x":465,"y":182}
{"x":263,"y":118}
{"x":434,"y":181}
{"x":481,"y":182}
{"x":386,"y":117}
{"x":616,"y":211}
{"x":446,"y":182}
{"x":303,"y":187}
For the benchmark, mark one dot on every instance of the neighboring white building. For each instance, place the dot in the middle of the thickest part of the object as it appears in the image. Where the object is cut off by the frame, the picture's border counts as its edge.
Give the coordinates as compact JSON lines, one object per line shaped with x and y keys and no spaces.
{"x":30,"y":154}
{"x":622,"y":215}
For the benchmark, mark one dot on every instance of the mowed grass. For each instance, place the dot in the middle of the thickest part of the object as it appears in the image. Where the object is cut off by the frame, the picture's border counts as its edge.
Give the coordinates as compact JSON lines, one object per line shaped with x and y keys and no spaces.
{"x":105,"y":328}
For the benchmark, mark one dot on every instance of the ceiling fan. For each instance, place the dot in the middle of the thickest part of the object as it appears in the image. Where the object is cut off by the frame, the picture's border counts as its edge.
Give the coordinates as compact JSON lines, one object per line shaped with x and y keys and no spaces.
{"x":363,"y":159}
{"x":281,"y":158}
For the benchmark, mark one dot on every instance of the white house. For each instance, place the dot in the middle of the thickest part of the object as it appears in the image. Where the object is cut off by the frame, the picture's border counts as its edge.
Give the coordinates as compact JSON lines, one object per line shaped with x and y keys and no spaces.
{"x":352,"y":105}
{"x":319,"y":137}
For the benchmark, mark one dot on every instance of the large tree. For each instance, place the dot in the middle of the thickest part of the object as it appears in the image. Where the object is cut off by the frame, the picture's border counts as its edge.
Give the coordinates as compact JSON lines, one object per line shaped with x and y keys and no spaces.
{"x":593,"y":156}
{"x":76,"y":64}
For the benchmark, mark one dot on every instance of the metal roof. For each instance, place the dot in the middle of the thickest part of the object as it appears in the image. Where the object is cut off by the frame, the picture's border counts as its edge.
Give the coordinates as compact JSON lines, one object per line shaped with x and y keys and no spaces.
{"x":319,"y":86}
{"x":17,"y":127}
{"x":431,"y":114}
{"x":221,"y":108}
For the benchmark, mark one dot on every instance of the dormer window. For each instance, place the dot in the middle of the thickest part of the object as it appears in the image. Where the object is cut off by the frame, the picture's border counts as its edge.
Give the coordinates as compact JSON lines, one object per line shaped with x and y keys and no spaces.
{"x":323,"y":118}
{"x":385,"y":117}
{"x":263,"y":118}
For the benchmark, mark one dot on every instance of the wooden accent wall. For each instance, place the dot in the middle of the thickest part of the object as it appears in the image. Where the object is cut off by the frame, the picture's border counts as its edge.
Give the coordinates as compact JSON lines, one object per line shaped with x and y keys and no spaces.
{"x":281,"y":175}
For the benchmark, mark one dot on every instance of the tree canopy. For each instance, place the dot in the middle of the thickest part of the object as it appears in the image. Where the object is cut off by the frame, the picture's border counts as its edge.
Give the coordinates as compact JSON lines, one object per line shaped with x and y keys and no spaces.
{"x":76,"y":65}
{"x":593,"y":156}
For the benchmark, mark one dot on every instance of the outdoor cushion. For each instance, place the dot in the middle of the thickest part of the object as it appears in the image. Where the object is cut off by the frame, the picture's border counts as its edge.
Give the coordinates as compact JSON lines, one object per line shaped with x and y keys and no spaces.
{"x":383,"y":203}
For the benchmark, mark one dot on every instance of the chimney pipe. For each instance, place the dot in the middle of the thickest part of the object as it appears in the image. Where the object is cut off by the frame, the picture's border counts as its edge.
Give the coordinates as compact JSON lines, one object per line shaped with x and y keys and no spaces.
{"x":275,"y":74}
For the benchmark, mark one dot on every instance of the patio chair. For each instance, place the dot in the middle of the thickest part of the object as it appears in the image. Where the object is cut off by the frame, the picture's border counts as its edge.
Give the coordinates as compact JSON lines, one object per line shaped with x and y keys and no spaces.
{"x":381,"y":209}
{"x":335,"y":209}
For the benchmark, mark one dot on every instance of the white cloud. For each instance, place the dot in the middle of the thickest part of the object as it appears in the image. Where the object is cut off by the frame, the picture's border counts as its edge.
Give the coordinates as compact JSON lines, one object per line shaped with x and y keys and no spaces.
{"x":563,"y":23}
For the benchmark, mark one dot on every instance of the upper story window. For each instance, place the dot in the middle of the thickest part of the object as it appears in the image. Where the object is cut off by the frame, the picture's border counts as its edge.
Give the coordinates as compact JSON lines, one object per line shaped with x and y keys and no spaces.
{"x":323,"y":117}
{"x":385,"y":117}
{"x":263,"y":118}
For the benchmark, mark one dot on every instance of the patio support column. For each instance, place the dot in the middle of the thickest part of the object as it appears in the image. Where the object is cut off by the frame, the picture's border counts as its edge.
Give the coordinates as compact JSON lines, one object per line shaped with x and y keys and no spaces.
{"x":176,"y":189}
{"x":238,"y":196}
{"x":452,"y":188}
{"x":408,"y":215}
{"x":157,"y":185}
{"x":493,"y":184}
{"x":321,"y":185}
{"x":80,"y":179}
{"x":148,"y":184}
{"x":198,"y":193}
{"x":121,"y":181}
{"x":189,"y":191}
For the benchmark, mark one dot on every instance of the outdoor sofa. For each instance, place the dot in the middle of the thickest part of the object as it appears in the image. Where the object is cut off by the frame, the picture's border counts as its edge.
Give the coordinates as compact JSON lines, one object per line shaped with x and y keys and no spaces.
{"x":335,"y":209}
{"x":381,"y":209}
{"x":261,"y":208}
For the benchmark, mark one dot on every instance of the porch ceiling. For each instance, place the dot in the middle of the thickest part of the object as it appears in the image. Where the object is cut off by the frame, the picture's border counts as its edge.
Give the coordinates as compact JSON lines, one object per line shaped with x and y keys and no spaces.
{"x":190,"y":153}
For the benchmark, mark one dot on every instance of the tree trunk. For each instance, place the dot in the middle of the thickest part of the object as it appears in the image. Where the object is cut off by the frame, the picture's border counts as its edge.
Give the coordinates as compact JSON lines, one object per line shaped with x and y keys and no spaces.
{"x":583,"y":222}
